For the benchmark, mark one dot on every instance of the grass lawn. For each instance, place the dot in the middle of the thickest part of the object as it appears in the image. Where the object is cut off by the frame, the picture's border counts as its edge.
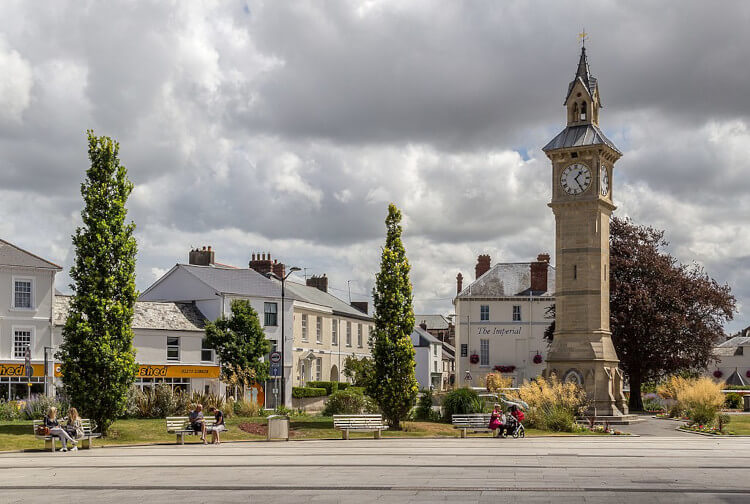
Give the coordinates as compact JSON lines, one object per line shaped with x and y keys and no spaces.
{"x":17,"y":435}
{"x":740,"y":424}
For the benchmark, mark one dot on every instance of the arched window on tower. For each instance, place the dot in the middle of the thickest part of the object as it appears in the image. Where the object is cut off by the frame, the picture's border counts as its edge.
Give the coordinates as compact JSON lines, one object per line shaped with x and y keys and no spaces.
{"x":575,"y":112}
{"x":583,"y":111}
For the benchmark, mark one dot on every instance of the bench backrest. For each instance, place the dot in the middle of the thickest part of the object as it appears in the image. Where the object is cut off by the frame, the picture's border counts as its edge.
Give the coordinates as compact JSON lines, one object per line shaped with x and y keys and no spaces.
{"x":357,"y":421}
{"x":179,"y":423}
{"x":85,"y":425}
{"x":472,"y":420}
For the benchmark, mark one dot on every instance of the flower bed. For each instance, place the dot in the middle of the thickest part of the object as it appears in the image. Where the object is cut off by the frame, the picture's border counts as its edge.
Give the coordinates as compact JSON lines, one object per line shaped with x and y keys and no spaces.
{"x":706,"y":429}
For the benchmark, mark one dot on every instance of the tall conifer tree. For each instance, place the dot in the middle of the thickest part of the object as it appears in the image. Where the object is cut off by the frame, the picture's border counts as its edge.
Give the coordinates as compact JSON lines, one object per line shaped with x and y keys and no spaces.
{"x":97,"y":355}
{"x":394,"y":386}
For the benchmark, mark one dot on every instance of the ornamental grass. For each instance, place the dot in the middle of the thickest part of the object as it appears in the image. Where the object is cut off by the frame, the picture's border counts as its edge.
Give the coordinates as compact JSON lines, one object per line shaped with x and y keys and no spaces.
{"x":553,"y":405}
{"x":700,"y":399}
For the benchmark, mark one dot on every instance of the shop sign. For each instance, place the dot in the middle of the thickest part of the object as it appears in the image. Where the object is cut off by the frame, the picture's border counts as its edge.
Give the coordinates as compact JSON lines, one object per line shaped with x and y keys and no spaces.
{"x":167,"y":371}
{"x":19,"y":369}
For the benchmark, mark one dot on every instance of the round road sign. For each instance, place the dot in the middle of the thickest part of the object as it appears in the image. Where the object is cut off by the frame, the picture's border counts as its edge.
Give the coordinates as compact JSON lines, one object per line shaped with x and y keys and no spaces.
{"x":275,"y":357}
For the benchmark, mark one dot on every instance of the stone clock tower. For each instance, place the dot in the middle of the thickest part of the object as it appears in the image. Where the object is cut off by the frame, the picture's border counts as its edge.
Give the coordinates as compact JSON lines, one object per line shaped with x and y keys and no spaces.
{"x":582,"y":163}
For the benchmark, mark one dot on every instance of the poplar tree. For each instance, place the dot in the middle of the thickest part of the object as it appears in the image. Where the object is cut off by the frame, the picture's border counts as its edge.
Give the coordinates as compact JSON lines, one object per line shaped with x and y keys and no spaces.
{"x":97,"y":355}
{"x":394,"y":386}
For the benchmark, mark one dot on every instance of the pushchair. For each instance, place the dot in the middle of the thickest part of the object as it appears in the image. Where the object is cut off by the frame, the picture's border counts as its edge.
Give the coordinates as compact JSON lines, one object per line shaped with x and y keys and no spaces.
{"x":514,"y":426}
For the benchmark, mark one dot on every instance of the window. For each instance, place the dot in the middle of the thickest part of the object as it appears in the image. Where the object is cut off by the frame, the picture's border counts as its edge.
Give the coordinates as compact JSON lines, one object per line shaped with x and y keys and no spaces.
{"x":207,"y":353}
{"x":359,"y":335}
{"x":575,"y":272}
{"x":434,"y":350}
{"x":319,"y":368}
{"x":484,"y":312}
{"x":22,"y":293}
{"x":435,"y":366}
{"x":464,"y":350}
{"x":304,"y":327}
{"x":270,"y":311}
{"x":21,"y":340}
{"x":348,"y":334}
{"x":319,"y":329}
{"x":516,"y":313}
{"x":484,"y":352}
{"x":583,"y":111}
{"x":173,"y":348}
{"x":334,"y":332}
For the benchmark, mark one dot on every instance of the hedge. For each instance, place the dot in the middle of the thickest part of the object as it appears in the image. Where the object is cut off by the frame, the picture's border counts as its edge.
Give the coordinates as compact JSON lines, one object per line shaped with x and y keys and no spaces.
{"x":344,"y":385}
{"x":330,"y":386}
{"x":300,"y":392}
{"x":357,"y":390}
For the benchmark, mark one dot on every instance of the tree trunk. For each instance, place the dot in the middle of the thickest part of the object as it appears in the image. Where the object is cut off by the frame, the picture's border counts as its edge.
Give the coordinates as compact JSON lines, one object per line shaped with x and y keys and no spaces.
{"x":635,"y":403}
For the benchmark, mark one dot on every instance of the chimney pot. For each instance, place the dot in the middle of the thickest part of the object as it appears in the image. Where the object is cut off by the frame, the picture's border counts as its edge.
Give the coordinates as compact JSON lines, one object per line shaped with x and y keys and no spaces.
{"x":319,"y":282}
{"x":423,"y":325}
{"x":201,"y":257}
{"x":459,"y":283}
{"x":483,"y":265}
{"x":539,"y":270}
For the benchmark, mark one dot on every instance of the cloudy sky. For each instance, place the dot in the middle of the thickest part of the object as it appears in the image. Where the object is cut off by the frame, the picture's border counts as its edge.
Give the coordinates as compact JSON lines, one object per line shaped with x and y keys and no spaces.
{"x":288,"y":127}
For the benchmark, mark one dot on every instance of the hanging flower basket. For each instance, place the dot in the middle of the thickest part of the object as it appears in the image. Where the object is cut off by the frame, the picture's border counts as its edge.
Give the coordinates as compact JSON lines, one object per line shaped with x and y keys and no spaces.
{"x":538,"y":359}
{"x":505,"y":369}
{"x":718,"y":373}
{"x":474,"y":359}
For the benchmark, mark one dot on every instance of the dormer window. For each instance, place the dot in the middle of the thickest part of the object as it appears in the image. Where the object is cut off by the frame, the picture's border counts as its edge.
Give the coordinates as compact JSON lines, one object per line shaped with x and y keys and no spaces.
{"x":583,"y":111}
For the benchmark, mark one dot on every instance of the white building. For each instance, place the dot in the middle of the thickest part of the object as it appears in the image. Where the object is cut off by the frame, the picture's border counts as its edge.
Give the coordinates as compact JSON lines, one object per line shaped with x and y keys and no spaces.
{"x":212,"y":288}
{"x":733,"y":360}
{"x":27,"y":295}
{"x":429,"y":359}
{"x":501,"y":318}
{"x":169,"y":343}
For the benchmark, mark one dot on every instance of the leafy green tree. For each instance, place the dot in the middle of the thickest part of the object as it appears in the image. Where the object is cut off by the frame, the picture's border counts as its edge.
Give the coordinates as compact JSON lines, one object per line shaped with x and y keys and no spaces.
{"x":394,"y":385}
{"x":240,"y":343}
{"x":97,"y":355}
{"x":359,"y":371}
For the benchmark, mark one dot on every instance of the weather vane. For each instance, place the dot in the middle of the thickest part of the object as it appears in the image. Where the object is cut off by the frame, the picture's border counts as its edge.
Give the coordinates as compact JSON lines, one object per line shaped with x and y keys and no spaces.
{"x":582,"y":37}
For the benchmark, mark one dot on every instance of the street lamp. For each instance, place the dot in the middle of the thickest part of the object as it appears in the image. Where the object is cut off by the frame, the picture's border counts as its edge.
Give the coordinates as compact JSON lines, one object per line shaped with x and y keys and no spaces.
{"x":271,"y":274}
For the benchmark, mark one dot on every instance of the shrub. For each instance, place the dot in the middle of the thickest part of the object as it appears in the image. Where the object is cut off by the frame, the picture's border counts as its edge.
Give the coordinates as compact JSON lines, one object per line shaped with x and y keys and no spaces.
{"x":344,"y":385}
{"x":330,"y":386}
{"x":553,"y":405}
{"x":424,"y":410}
{"x":496,"y":381}
{"x":358,"y":390}
{"x":347,"y":402}
{"x":652,"y":405}
{"x":36,"y":408}
{"x":300,"y":392}
{"x":245,"y":408}
{"x":461,"y":402}
{"x":701,"y":399}
{"x":723,"y":420}
{"x":10,"y":410}
{"x":733,"y":400}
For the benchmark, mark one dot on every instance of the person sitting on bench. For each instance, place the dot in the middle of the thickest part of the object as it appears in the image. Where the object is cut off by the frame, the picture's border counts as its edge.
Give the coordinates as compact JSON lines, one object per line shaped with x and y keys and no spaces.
{"x":197,"y":423}
{"x":219,"y":426}
{"x":53,"y":424}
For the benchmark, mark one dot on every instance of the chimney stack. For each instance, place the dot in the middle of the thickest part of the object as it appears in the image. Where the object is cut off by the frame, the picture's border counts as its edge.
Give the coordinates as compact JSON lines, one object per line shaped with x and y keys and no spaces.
{"x":539,"y":273}
{"x":423,"y":325}
{"x":459,"y":283}
{"x":201,"y":257}
{"x":360,"y":305}
{"x":319,"y":282}
{"x":483,"y":265}
{"x":262,"y":263}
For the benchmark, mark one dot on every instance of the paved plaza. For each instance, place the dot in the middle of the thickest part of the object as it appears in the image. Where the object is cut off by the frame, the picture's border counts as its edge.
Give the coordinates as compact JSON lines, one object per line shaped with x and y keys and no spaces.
{"x":577,"y":469}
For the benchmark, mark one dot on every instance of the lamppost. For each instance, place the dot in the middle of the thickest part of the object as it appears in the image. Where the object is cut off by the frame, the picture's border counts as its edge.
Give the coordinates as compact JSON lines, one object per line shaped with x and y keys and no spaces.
{"x":271,"y":274}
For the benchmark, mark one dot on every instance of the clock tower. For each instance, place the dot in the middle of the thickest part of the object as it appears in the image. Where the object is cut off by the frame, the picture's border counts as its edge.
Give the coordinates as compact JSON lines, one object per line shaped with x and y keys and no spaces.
{"x":582,"y":163}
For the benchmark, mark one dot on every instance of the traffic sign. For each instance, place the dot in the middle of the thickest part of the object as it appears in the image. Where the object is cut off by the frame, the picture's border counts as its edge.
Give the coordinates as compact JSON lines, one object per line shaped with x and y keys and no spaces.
{"x":275,"y":369}
{"x":275,"y":357}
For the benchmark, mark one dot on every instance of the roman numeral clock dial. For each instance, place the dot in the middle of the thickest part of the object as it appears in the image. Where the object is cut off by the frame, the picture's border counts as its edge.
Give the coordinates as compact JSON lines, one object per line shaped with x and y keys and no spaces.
{"x":575,"y":179}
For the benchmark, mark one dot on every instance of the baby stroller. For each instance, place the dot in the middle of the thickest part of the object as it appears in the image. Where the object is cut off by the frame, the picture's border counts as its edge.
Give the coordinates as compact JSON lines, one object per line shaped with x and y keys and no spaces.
{"x":514,"y":426}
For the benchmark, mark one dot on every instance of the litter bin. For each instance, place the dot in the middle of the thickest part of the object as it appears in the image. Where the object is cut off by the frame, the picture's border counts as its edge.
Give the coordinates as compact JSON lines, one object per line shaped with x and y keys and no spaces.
{"x":278,"y":427}
{"x":746,"y":402}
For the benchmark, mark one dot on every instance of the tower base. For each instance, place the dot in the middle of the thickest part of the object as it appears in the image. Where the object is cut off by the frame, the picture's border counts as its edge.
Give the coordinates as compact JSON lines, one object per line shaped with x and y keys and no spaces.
{"x":600,"y":379}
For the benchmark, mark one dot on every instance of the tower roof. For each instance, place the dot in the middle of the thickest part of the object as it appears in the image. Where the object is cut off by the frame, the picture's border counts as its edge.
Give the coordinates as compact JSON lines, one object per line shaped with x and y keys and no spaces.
{"x":580,"y":136}
{"x":584,"y":75}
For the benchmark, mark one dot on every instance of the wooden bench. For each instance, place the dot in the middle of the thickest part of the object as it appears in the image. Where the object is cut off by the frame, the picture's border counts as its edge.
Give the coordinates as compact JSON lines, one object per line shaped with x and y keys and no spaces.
{"x":475,"y":422}
{"x":364,"y":423}
{"x":83,"y":442}
{"x":180,"y":426}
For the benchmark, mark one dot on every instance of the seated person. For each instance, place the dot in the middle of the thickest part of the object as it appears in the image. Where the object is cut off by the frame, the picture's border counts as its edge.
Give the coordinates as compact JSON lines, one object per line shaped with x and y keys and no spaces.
{"x":498,"y":421}
{"x":197,"y":423}
{"x":219,"y":426}
{"x":53,"y":424}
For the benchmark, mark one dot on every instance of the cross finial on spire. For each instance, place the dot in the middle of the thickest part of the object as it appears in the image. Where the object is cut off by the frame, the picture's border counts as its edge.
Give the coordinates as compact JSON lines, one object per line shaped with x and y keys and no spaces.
{"x":582,"y":37}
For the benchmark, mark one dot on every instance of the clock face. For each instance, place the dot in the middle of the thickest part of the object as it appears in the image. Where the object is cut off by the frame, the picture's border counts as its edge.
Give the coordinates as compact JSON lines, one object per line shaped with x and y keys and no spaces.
{"x":575,"y":178}
{"x":604,"y":182}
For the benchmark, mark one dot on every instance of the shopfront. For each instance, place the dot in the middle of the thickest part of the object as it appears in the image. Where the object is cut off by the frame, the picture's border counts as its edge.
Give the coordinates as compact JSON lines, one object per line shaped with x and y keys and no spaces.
{"x":186,"y":378}
{"x":14,"y":385}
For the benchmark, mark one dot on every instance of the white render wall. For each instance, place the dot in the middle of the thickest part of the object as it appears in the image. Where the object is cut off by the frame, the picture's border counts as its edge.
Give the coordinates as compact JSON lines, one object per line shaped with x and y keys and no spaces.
{"x":511,"y":343}
{"x":38,"y":319}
